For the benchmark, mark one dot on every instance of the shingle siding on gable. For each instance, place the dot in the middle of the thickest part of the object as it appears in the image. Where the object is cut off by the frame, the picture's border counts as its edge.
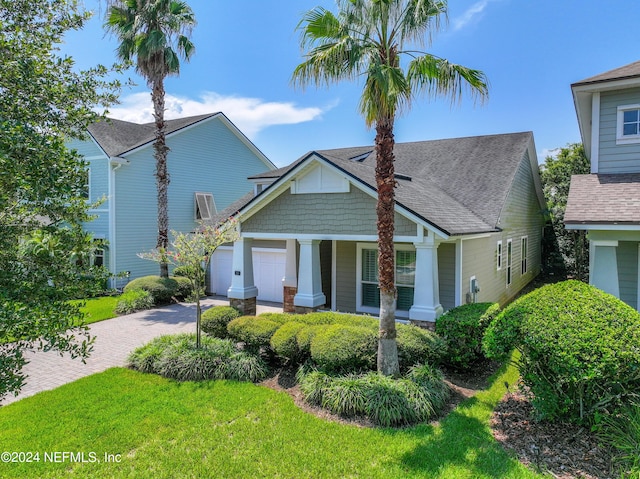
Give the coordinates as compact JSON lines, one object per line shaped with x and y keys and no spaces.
{"x":522,"y":217}
{"x":615,"y":158}
{"x":351,"y":213}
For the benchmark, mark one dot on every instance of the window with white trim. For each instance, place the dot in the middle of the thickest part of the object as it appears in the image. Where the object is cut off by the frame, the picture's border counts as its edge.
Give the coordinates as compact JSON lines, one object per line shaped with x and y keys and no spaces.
{"x":97,"y":258}
{"x":205,"y":206}
{"x":628,"y":124}
{"x":499,"y":255}
{"x":509,"y":260}
{"x":404,"y":280}
{"x":524,"y":250}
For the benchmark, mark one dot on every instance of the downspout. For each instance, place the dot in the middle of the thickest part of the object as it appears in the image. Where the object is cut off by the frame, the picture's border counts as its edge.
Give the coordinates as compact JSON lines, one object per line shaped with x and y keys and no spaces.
{"x":114,"y":164}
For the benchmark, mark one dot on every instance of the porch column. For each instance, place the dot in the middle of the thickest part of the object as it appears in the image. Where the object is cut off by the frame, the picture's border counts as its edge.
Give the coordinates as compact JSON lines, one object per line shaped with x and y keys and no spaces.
{"x":243,"y":292}
{"x":290,"y":280}
{"x":604,"y":269}
{"x":309,"y":296}
{"x":426,"y":294}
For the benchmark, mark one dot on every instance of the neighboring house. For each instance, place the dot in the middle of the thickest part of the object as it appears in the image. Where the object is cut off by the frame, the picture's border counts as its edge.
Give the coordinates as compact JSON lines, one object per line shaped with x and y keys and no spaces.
{"x":468,"y":227}
{"x":208,"y":163}
{"x":606,"y":203}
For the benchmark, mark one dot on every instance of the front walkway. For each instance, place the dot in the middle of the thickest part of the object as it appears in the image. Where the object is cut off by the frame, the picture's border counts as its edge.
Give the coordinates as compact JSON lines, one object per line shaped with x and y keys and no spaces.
{"x":115,"y":339}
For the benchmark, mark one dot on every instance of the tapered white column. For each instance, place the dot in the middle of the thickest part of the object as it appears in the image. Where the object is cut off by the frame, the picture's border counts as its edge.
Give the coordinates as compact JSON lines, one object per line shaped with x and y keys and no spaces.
{"x":426,"y":295}
{"x":309,"y":293}
{"x":242,"y":284}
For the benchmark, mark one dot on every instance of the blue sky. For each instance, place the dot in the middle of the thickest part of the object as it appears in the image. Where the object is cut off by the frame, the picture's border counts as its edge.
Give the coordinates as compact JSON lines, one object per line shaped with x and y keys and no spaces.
{"x":246,"y":50}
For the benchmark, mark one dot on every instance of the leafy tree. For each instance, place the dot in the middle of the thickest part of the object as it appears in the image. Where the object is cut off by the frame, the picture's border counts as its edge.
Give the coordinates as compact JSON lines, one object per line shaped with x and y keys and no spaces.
{"x":192,"y":252}
{"x":556,"y":178}
{"x":155,"y":34}
{"x":368,"y":39}
{"x":43,"y":102}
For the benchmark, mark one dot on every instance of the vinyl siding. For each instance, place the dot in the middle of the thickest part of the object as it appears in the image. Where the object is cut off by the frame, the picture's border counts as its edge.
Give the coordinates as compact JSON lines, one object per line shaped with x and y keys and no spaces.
{"x":615,"y":158}
{"x":346,"y":276}
{"x":86,"y":148}
{"x":352,"y":213}
{"x":627,"y":259}
{"x":522,"y":216}
{"x":447,"y":275}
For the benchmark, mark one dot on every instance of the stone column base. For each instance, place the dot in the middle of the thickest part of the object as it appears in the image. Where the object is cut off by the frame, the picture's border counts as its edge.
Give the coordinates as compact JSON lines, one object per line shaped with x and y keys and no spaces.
{"x":247,"y":307}
{"x":289,"y":293}
{"x":304,"y":310}
{"x":430,"y":325}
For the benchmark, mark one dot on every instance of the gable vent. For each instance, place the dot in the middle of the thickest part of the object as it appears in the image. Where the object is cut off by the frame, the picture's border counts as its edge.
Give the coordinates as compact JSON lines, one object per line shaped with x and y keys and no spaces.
{"x":398,"y":176}
{"x":360,"y":158}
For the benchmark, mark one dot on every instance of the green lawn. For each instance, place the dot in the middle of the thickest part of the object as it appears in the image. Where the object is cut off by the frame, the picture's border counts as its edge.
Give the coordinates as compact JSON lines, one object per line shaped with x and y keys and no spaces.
{"x":165,"y":429}
{"x":98,"y":309}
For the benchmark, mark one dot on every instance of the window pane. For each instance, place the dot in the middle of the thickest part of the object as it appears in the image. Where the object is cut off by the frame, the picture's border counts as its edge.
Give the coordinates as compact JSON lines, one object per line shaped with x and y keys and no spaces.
{"x":405,"y":298}
{"x":370,"y":295}
{"x":405,"y":267}
{"x":630,"y":129}
{"x":631,"y":116}
{"x":370,"y":265}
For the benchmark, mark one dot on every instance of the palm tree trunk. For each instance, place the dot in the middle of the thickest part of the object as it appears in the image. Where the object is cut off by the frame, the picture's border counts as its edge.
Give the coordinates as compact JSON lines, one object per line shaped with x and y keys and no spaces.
{"x":385,"y":182}
{"x":162,"y":176}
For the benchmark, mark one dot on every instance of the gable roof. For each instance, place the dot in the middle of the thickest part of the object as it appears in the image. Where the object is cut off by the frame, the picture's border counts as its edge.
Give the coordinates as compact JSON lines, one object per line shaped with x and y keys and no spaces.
{"x":603,"y":199}
{"x":458,"y":185}
{"x":632,"y":70}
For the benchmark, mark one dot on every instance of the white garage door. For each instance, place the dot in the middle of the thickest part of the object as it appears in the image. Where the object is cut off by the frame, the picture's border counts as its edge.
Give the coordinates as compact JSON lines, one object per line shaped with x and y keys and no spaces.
{"x":268,"y":271}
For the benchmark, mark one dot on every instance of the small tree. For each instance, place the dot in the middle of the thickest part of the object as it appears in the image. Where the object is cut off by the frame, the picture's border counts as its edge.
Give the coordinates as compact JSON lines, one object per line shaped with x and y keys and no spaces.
{"x":193,"y":252}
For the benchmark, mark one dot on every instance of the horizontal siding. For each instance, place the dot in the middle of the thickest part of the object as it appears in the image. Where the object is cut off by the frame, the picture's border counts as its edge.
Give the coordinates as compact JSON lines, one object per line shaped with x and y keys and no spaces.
{"x":615,"y":158}
{"x":346,"y":276}
{"x":351,"y":213}
{"x":86,"y":148}
{"x":627,"y":259}
{"x":99,"y":182}
{"x":447,"y":275}
{"x":99,"y":226}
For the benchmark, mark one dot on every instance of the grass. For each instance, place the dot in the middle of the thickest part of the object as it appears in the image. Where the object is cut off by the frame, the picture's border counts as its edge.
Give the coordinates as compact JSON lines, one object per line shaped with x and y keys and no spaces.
{"x":165,"y":429}
{"x":98,"y":309}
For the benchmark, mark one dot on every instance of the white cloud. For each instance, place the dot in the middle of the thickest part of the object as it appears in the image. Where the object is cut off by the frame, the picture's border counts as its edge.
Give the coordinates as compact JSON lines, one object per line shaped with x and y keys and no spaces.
{"x":250,"y":115}
{"x":473,"y":13}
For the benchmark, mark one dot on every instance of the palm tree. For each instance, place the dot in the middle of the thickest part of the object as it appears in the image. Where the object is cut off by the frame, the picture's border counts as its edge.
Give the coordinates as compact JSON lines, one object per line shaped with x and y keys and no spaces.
{"x":368,"y":38}
{"x":154,"y":33}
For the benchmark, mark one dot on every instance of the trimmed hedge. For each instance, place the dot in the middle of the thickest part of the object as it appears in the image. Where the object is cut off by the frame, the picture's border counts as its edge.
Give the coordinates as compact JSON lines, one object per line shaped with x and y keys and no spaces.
{"x":418,"y":346}
{"x":463,"y":329}
{"x":214,"y":320}
{"x":580,"y":353}
{"x":132,"y":301}
{"x":161,"y":289}
{"x":284,"y":342}
{"x":184,"y":289}
{"x":254,"y":331}
{"x":340,"y":348}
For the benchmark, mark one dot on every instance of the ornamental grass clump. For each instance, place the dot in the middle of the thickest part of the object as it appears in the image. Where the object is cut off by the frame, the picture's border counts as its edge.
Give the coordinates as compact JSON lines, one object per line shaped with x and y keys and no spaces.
{"x":134,"y":300}
{"x":579,"y":346}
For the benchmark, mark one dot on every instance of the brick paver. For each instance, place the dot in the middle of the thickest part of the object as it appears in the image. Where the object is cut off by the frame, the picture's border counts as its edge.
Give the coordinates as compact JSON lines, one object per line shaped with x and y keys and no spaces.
{"x":115,"y":339}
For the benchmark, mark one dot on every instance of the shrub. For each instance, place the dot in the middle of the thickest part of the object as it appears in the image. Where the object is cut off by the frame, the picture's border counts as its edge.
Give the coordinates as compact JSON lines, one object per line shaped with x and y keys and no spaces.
{"x":305,"y":336}
{"x":177,"y":357}
{"x":463,"y":328}
{"x":384,"y":400}
{"x":621,"y":432}
{"x":579,"y":348}
{"x":184,"y":290}
{"x":418,"y":346}
{"x":254,"y":331}
{"x":214,"y":320}
{"x":283,"y":341}
{"x":184,"y":271}
{"x":340,"y":348}
{"x":161,"y":289}
{"x":132,"y":301}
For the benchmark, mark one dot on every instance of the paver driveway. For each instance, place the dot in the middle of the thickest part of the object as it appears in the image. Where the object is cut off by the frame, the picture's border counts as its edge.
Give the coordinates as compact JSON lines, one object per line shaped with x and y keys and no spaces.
{"x":115,"y":339}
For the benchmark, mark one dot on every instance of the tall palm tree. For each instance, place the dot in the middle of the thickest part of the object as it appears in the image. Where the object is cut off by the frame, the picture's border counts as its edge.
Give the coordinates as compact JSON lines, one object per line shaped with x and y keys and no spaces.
{"x":154,"y":33}
{"x":368,"y":39}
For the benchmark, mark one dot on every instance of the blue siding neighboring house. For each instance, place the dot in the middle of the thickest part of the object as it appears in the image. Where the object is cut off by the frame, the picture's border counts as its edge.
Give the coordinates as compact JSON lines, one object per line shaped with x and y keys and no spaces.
{"x":606,"y":203}
{"x":209,"y":162}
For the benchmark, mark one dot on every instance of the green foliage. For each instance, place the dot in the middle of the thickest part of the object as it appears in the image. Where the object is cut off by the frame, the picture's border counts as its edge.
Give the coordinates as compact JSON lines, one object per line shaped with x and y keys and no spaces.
{"x":463,"y":329}
{"x":340,"y":348}
{"x":254,"y":331}
{"x":215,"y":320}
{"x":621,"y":432}
{"x":555,"y":175}
{"x":186,"y":271}
{"x":184,"y":289}
{"x":418,"y":346}
{"x":284,"y":341}
{"x":579,"y":349}
{"x":305,"y":336}
{"x":177,"y":357}
{"x":384,"y":400}
{"x":134,"y":300}
{"x":162,"y":290}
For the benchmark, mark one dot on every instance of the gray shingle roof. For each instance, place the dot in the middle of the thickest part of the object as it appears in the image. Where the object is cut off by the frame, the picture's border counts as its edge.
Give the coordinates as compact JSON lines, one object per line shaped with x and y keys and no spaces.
{"x":459,"y":185}
{"x":117,"y":137}
{"x":604,"y":199}
{"x":632,"y":70}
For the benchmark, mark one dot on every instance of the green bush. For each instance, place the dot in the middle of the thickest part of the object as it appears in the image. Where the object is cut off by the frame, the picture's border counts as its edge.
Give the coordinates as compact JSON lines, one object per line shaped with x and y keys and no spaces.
{"x":177,"y":357}
{"x":184,"y":271}
{"x":340,"y":348}
{"x":463,"y":328}
{"x":579,"y":349}
{"x":214,"y":320}
{"x":621,"y":432}
{"x":254,"y":331}
{"x":305,"y":336}
{"x":132,"y":301}
{"x":184,"y":290}
{"x":418,"y":346}
{"x":161,"y":289}
{"x":283,"y":341}
{"x":384,"y":400}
